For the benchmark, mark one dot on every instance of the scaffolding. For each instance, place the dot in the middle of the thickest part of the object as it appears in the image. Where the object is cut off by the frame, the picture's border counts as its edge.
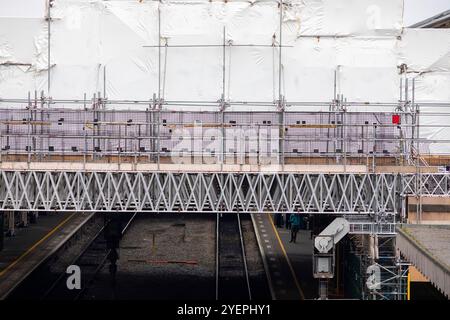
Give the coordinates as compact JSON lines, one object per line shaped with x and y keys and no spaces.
{"x":42,"y":129}
{"x":43,"y":134}
{"x":46,"y":130}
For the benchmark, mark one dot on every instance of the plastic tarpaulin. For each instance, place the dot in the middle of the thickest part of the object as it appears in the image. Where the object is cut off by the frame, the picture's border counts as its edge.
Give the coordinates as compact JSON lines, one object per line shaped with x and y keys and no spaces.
{"x":426,"y":52}
{"x":345,"y":17}
{"x":112,"y":46}
{"x":92,"y":41}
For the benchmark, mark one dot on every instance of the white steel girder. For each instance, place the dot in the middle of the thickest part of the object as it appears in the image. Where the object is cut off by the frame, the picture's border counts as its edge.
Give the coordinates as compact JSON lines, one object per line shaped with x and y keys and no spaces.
{"x":198,"y":192}
{"x":340,"y":194}
{"x":426,"y":184}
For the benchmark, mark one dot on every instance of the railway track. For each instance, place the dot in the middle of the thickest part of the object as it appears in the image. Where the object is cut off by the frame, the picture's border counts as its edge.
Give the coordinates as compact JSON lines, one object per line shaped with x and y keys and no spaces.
{"x":232,"y":276}
{"x":90,"y":260}
{"x":236,"y":269}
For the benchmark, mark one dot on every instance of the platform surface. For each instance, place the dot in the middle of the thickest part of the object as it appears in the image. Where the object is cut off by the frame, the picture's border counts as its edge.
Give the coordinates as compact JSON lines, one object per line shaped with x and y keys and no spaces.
{"x":427,"y":247}
{"x":289,"y":265}
{"x":33,"y":244}
{"x":300,"y":256}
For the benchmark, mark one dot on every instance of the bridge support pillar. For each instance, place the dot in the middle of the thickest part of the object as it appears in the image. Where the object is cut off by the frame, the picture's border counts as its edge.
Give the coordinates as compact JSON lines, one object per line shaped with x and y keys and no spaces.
{"x":2,"y":220}
{"x":33,"y":217}
{"x":323,"y":289}
{"x":11,"y":224}
{"x":23,"y":219}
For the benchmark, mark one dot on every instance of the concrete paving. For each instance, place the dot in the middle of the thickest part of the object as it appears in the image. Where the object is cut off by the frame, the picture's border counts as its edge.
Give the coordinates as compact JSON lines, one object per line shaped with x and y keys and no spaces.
{"x":26,"y":237}
{"x":282,"y":278}
{"x":427,"y":247}
{"x":434,"y":238}
{"x":300,"y":255}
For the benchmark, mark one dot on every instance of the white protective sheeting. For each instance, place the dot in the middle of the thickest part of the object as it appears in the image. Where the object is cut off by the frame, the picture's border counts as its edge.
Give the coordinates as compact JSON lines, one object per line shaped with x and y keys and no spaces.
{"x":22,"y":8}
{"x":345,"y":17}
{"x":197,"y":73}
{"x":360,"y":42}
{"x":23,"y":58}
{"x":426,"y":52}
{"x":106,"y":41}
{"x":116,"y":40}
{"x":433,"y":87}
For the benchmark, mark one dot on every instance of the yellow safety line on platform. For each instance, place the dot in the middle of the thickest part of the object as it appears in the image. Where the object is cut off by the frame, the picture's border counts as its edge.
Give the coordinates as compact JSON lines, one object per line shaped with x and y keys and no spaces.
{"x":408,"y":289}
{"x":35,"y":245}
{"x":287,"y":258}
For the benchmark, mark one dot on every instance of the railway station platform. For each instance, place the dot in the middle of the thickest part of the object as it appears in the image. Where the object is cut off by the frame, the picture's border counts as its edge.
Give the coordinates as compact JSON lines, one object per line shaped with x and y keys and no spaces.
{"x":23,"y":252}
{"x":426,"y":248}
{"x":288,"y":265}
{"x":300,"y":257}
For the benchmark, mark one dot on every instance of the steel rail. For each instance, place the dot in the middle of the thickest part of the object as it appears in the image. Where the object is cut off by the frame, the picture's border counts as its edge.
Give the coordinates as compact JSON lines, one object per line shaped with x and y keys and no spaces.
{"x":97,"y":269}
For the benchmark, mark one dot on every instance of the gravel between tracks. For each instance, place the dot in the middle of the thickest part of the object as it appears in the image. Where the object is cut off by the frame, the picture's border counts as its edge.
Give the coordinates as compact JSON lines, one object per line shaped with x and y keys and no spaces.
{"x":163,"y":257}
{"x":152,"y":241}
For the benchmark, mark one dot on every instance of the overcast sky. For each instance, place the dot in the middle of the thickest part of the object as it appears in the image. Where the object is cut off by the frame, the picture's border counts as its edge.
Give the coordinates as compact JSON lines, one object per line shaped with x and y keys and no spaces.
{"x":415,"y":10}
{"x":418,"y":10}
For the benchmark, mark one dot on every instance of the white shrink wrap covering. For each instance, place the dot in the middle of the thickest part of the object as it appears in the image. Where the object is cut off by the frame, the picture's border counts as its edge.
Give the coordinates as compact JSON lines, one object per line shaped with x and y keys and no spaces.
{"x":92,"y":41}
{"x":23,"y":56}
{"x":196,"y":73}
{"x":359,"y":84}
{"x":345,"y":17}
{"x":366,"y":69}
{"x":106,"y":42}
{"x":433,"y":126}
{"x":434,"y":87}
{"x":112,"y":46}
{"x":22,"y":9}
{"x":425,"y":50}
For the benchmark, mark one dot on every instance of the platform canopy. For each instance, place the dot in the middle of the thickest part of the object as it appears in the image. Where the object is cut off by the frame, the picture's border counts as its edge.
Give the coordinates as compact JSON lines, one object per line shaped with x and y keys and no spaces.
{"x":427,"y":248}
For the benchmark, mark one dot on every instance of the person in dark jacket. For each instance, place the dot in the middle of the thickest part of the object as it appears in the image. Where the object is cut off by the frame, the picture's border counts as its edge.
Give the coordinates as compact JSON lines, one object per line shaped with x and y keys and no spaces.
{"x":295,"y":226}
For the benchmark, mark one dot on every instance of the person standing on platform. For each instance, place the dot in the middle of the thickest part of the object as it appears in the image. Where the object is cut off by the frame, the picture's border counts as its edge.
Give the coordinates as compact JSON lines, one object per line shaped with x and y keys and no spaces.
{"x":295,"y":226}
